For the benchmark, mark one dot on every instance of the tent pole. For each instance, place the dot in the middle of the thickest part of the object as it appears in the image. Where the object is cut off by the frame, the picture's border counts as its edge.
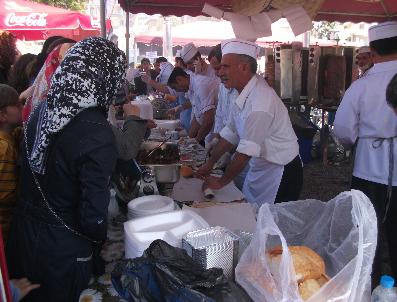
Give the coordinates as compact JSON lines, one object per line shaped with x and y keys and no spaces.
{"x":167,"y":38}
{"x":306,"y":39}
{"x":103,"y":18}
{"x":127,"y":35}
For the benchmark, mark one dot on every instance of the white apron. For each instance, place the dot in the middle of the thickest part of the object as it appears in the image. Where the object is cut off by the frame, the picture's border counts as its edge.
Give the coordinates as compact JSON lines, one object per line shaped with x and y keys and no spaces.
{"x":262,"y":181}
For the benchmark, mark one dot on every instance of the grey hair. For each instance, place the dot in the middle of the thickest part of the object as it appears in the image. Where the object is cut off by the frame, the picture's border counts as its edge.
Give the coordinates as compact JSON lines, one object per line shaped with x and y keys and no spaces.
{"x":250,"y":61}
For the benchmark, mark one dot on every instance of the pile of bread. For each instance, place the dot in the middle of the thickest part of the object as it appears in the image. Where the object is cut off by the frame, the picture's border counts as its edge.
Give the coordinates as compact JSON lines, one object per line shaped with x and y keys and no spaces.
{"x":309,"y":268}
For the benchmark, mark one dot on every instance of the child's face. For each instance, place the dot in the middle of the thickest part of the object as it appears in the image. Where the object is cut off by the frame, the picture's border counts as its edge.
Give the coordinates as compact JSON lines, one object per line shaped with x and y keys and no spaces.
{"x":12,"y":114}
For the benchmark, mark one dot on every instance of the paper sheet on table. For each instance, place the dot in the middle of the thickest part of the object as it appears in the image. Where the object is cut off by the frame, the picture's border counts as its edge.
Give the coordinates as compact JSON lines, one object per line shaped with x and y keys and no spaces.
{"x":189,"y":189}
{"x":234,"y":216}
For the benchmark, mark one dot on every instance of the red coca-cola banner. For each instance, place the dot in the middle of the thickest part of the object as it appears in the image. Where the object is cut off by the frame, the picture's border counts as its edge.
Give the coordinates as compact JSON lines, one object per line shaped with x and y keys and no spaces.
{"x":34,"y":21}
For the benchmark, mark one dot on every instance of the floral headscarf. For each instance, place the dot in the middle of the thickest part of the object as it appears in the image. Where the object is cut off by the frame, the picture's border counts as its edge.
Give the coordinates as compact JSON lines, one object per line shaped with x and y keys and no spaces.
{"x":89,"y":76}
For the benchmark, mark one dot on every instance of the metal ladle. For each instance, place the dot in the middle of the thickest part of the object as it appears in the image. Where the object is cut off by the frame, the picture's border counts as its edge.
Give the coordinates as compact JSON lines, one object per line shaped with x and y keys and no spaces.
{"x":154,"y":149}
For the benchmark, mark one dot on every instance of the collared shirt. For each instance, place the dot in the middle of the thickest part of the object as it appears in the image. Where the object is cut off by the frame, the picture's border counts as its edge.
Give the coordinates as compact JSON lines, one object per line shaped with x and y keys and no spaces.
{"x":8,"y":178}
{"x":365,"y":115}
{"x":203,"y":92}
{"x":260,"y":126}
{"x":225,"y":98}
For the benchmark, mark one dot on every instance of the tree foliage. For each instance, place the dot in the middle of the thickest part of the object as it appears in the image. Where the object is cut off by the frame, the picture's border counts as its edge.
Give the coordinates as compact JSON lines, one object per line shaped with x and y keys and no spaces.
{"x":76,"y":5}
{"x":323,"y":29}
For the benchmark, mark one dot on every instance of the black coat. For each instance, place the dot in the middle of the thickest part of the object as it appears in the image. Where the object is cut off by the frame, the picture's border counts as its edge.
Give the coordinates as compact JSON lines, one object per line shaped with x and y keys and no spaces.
{"x":81,"y":160}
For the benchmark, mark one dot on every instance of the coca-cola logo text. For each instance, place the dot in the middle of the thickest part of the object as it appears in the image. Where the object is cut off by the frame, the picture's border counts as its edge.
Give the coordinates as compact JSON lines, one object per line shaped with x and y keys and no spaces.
{"x":31,"y":20}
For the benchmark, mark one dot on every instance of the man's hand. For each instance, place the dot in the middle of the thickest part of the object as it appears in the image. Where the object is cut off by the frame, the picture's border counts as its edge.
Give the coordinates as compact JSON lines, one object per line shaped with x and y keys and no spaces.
{"x":174,"y":111}
{"x":214,"y":183}
{"x":130,"y":109}
{"x":170,"y":98}
{"x":24,"y":286}
{"x":151,"y":124}
{"x":204,"y":170}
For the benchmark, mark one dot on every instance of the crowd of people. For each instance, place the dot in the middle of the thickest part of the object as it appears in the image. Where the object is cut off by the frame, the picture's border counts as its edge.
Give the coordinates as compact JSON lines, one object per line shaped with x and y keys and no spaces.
{"x":59,"y":146}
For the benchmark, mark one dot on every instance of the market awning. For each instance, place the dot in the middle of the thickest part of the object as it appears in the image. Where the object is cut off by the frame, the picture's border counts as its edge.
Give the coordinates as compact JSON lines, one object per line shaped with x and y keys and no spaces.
{"x":208,"y":33}
{"x":329,"y":10}
{"x":34,"y":21}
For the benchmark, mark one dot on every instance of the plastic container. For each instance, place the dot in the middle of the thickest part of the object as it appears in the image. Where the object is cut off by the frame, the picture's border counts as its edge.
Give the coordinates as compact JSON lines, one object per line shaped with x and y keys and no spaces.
{"x":385,"y":292}
{"x":149,"y":205}
{"x":145,"y":108}
{"x":170,"y":227}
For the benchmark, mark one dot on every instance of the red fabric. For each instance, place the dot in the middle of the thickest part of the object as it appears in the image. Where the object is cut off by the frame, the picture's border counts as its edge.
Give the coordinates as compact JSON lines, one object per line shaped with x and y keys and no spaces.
{"x":357,"y":11}
{"x":34,"y":21}
{"x":331,"y":10}
{"x":42,"y":83}
{"x":4,"y":270}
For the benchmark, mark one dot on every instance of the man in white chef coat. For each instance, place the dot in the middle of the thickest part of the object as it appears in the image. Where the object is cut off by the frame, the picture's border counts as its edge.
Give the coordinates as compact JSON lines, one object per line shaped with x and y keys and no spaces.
{"x":194,"y":63}
{"x":364,"y":60}
{"x":261,"y":129}
{"x":365,"y":118}
{"x":226,"y":97}
{"x":202,"y":92}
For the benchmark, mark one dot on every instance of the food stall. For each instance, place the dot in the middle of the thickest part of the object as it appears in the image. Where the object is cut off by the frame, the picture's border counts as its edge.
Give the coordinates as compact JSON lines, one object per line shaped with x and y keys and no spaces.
{"x":267,"y":270}
{"x":162,"y":209}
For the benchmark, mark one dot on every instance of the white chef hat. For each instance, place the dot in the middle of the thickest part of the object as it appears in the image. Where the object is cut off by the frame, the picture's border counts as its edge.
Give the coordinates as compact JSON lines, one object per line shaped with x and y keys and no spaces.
{"x":382,"y":31}
{"x":241,"y":47}
{"x":363,"y":49}
{"x":188,"y":52}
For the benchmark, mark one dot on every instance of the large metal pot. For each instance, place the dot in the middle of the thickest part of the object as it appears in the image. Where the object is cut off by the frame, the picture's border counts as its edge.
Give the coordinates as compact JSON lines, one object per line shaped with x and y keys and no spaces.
{"x":165,"y":173}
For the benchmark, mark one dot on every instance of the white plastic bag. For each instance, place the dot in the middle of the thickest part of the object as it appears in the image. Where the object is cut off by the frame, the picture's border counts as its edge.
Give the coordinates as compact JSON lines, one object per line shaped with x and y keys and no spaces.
{"x":343,"y":231}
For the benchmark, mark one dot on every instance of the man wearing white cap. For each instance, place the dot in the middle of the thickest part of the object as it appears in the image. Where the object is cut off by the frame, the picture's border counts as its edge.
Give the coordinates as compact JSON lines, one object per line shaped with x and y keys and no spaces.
{"x":260,"y":127}
{"x":364,"y":118}
{"x":364,"y":60}
{"x":178,"y":60}
{"x":226,"y":98}
{"x":192,"y":58}
{"x":202,"y":92}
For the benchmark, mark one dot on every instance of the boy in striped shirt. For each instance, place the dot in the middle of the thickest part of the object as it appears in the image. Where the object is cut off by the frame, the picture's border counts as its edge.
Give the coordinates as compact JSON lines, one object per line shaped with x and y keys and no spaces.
{"x":10,"y":119}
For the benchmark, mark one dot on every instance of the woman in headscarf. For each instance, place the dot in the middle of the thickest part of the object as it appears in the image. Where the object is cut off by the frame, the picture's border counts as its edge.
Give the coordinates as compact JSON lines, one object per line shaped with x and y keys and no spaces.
{"x":68,"y":156}
{"x":38,"y":91}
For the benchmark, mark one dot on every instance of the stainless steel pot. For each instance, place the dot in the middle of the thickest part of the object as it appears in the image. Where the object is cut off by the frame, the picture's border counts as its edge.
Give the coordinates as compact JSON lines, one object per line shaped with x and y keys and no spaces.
{"x":165,"y":173}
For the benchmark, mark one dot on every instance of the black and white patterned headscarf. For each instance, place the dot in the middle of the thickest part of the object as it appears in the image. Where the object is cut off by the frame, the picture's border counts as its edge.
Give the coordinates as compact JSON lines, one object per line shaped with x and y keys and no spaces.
{"x":89,"y":76}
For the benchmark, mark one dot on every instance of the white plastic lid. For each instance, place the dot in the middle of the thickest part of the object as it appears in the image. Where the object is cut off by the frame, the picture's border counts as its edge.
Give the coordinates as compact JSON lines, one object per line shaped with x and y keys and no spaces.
{"x":387,"y":281}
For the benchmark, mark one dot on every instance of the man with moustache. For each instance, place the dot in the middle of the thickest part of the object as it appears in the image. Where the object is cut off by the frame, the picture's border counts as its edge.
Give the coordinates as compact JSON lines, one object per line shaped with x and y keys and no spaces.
{"x":261,"y":129}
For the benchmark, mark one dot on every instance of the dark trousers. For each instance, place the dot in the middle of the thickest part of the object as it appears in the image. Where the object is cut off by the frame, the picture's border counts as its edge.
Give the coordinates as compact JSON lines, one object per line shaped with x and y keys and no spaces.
{"x":291,"y":182}
{"x":387,"y":230}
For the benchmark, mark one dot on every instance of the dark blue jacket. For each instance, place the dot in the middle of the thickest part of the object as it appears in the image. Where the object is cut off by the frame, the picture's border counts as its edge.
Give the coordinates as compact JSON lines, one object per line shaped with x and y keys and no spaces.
{"x":81,"y":159}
